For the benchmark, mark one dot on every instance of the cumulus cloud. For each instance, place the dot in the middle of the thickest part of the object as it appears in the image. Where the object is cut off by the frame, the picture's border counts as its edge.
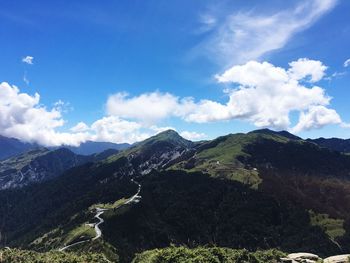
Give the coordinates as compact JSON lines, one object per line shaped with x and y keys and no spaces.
{"x":115,"y":129}
{"x":248,"y":36}
{"x":316,"y":117}
{"x":148,"y":107}
{"x":263,"y":94}
{"x":22,"y":116}
{"x":267,"y":94}
{"x":28,"y":60}
{"x":304,"y":67}
{"x":347,"y":63}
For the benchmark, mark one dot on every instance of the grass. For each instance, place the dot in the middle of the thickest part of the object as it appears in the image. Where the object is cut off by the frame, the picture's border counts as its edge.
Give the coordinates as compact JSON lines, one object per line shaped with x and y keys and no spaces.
{"x":333,"y":227}
{"x":81,"y":232}
{"x":220,"y":158}
{"x":114,"y":205}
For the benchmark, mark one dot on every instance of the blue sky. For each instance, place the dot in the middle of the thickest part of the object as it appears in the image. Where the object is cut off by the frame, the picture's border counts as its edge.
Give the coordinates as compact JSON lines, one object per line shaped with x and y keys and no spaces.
{"x":124,"y":70}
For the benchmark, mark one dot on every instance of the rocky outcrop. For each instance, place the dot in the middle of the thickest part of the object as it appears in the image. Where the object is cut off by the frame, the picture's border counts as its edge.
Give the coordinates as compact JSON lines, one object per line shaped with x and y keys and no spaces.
{"x":301,"y":257}
{"x":338,"y":259}
{"x":312,"y":258}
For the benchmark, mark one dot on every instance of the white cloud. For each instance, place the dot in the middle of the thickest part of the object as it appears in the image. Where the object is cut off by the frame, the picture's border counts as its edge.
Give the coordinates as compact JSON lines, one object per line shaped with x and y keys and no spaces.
{"x":304,"y":67}
{"x":28,"y":60}
{"x":263,"y":94}
{"x":316,"y":117}
{"x":193,"y":136}
{"x":267,"y":95}
{"x":148,"y":107}
{"x":80,"y":127}
{"x":347,"y":63}
{"x":249,"y":36}
{"x":115,"y":129}
{"x":22,"y":116}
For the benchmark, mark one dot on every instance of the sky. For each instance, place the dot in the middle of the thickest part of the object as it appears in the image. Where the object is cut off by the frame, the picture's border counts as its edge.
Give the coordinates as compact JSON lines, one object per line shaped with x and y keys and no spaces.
{"x":125,"y":70}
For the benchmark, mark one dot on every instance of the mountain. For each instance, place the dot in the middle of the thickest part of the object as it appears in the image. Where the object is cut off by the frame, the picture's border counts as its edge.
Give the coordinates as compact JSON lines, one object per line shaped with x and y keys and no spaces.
{"x":334,"y":144}
{"x":36,"y":166}
{"x":11,"y":147}
{"x":42,"y":164}
{"x":259,"y":190}
{"x":90,"y":147}
{"x":156,"y":152}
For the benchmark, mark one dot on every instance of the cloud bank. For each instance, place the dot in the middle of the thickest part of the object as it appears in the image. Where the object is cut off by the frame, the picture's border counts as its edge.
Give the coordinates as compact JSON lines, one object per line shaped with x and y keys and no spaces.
{"x":261,"y":93}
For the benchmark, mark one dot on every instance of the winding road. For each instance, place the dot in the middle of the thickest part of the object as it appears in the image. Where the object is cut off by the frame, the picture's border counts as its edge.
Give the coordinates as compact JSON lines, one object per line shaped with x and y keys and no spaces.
{"x":99,"y":211}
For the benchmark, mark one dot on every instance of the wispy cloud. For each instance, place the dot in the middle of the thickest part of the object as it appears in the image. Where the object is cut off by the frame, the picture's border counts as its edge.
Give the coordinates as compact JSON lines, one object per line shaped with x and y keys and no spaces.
{"x":25,"y":78}
{"x":249,"y":36}
{"x":28,"y":60}
{"x":347,"y":63}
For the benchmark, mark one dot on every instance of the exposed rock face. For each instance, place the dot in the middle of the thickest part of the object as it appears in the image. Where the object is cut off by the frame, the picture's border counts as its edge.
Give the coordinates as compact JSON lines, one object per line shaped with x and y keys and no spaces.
{"x":338,"y":259}
{"x":312,"y":258}
{"x":301,"y":257}
{"x":36,"y":166}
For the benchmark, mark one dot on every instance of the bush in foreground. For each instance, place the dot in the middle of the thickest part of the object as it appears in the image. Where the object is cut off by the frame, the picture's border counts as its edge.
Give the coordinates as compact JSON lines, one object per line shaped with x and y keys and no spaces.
{"x":207,"y":255}
{"x":26,"y":256}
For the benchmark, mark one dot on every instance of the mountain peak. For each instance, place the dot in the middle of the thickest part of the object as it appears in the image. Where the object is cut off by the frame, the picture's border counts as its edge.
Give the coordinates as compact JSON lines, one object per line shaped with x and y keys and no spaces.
{"x":170,"y":136}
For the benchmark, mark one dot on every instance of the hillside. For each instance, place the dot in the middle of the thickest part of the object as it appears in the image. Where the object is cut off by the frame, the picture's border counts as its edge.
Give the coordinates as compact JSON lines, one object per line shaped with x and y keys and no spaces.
{"x":259,"y":190}
{"x":11,"y":147}
{"x":334,"y":144}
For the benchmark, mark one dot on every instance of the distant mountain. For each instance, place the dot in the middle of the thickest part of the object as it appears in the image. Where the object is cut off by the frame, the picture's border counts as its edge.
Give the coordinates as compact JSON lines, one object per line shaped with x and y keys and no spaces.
{"x":90,"y":147}
{"x":36,"y":166}
{"x":42,"y":164}
{"x":334,"y":144}
{"x":11,"y":147}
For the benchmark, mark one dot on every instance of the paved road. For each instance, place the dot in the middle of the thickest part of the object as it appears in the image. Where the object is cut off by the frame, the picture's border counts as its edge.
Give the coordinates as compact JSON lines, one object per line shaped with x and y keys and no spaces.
{"x":97,"y":226}
{"x":99,"y":211}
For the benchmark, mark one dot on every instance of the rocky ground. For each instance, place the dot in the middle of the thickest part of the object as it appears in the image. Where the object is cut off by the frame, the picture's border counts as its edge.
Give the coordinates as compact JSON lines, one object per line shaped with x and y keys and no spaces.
{"x":312,"y":258}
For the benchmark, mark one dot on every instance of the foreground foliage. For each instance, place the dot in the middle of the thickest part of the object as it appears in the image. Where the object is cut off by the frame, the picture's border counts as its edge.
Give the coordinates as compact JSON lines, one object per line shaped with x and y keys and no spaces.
{"x":27,"y":256}
{"x":207,"y":255}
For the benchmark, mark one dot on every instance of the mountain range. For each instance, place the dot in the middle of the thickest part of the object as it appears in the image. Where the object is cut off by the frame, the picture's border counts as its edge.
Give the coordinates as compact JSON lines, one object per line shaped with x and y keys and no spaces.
{"x":256,"y":191}
{"x":11,"y":147}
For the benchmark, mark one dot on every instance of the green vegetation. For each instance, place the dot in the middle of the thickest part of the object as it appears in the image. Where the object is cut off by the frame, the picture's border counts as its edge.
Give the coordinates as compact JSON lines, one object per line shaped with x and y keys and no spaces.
{"x":114,"y":205}
{"x":223,"y":156}
{"x":82,"y":232}
{"x":194,"y":209}
{"x":21,"y":256}
{"x":207,"y":255}
{"x":333,"y":227}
